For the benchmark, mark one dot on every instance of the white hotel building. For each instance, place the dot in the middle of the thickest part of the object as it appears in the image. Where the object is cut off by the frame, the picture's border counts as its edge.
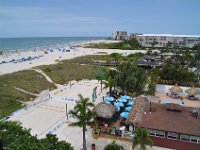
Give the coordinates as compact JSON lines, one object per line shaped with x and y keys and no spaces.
{"x":120,"y":35}
{"x":166,"y":40}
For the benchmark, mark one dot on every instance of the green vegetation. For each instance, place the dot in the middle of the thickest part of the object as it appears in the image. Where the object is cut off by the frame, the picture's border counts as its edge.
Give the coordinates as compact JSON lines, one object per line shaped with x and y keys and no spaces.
{"x":29,"y":80}
{"x":124,"y":45}
{"x":113,"y":146}
{"x":141,"y":138}
{"x":196,"y":47}
{"x":131,"y":79}
{"x":91,"y":58}
{"x":14,"y":137}
{"x":65,"y":71}
{"x":84,"y":115}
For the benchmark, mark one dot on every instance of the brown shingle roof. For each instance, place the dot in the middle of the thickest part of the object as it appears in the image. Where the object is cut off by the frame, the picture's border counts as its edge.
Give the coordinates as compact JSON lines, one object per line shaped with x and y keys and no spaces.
{"x":162,"y":119}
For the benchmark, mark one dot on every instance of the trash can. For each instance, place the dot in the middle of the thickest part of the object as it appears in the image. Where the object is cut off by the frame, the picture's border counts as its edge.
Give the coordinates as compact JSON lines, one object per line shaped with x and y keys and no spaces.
{"x":93,"y":147}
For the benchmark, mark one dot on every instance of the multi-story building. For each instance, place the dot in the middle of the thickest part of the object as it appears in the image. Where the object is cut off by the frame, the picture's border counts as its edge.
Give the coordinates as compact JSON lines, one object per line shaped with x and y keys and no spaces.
{"x":120,"y":35}
{"x":167,"y":40}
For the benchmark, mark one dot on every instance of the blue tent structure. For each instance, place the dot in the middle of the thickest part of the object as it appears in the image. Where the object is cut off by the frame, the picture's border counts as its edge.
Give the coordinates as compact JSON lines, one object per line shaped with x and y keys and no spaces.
{"x":166,"y":102}
{"x":118,"y":104}
{"x":180,"y":103}
{"x":131,"y":103}
{"x":126,"y":97}
{"x":124,"y":114}
{"x":128,"y":108}
{"x":122,"y":100}
{"x":109,"y":98}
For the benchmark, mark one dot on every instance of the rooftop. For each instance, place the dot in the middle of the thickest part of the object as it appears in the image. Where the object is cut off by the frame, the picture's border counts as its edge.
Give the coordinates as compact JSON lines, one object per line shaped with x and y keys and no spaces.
{"x":170,"y":35}
{"x":167,"y":120}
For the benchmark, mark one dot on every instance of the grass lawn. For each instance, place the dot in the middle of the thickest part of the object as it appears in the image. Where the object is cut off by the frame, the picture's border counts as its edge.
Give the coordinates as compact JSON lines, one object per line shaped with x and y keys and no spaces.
{"x":91,"y":58}
{"x":28,"y":80}
{"x":65,"y":71}
{"x":119,"y":45}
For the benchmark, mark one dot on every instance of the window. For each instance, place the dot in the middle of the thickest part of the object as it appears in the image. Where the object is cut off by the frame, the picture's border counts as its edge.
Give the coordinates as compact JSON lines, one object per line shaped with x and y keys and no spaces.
{"x":194,"y":139}
{"x":172,"y":135}
{"x":152,"y":132}
{"x":160,"y":133}
{"x":184,"y":137}
{"x":157,"y":133}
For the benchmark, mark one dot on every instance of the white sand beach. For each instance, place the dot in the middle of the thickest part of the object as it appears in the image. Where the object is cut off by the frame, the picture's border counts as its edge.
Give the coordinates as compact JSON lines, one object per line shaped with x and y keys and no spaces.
{"x":50,"y":116}
{"x":40,"y":58}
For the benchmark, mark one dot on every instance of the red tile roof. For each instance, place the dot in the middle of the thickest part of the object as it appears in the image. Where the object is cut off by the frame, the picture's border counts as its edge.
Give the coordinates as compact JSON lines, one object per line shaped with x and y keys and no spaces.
{"x":175,"y":121}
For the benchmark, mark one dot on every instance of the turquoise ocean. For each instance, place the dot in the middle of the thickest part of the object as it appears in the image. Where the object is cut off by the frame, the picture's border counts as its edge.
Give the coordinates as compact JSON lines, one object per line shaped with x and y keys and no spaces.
{"x":13,"y":44}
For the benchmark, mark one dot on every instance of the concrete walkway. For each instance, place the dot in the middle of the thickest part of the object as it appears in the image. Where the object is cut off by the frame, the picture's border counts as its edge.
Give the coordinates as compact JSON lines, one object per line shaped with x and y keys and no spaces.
{"x":27,"y":92}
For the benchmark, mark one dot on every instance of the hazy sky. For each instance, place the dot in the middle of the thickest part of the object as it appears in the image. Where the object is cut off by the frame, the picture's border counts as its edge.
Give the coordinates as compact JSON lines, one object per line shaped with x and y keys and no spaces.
{"x":32,"y":18}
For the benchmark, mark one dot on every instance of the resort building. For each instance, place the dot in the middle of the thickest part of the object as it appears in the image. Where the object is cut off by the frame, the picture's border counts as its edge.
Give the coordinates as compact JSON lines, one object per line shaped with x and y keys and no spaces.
{"x":166,"y":40}
{"x":171,"y":125}
{"x":120,"y":35}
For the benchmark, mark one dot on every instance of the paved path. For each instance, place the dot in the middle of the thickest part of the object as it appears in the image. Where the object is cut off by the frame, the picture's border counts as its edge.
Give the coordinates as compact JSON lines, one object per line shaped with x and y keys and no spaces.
{"x":47,"y":77}
{"x":27,"y":92}
{"x":44,"y":74}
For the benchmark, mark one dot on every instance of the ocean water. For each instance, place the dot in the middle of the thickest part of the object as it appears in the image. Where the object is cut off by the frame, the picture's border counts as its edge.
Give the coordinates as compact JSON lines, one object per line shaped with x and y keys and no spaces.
{"x":11,"y":44}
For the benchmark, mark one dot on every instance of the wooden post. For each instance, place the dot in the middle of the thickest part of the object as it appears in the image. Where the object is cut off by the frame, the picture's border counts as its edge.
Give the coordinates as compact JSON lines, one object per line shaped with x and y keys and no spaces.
{"x":66,"y":112}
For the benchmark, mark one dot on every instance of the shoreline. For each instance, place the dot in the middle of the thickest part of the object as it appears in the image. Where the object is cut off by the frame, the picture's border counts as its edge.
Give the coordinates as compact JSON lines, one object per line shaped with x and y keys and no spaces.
{"x":24,"y":60}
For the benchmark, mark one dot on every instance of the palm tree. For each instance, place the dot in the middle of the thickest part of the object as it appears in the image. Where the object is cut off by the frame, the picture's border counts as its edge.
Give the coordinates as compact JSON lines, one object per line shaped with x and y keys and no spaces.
{"x":84,"y":115}
{"x":141,"y":138}
{"x":113,"y":146}
{"x":131,"y":78}
{"x":101,"y":75}
{"x":109,"y":83}
{"x":116,"y":57}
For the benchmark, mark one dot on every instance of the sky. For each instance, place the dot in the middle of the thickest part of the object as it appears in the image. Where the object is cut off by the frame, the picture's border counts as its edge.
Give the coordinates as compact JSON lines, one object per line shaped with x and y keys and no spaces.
{"x":53,"y":18}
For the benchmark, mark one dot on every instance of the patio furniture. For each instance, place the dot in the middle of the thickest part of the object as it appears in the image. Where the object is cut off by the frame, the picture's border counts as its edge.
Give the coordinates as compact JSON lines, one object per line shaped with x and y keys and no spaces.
{"x":180,"y":103}
{"x":166,"y":102}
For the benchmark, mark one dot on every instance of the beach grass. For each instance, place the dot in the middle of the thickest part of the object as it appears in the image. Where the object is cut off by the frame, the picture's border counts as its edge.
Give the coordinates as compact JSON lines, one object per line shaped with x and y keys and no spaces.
{"x":66,"y":71}
{"x":124,"y":45}
{"x":73,"y":69}
{"x":12,"y":99}
{"x":91,"y":58}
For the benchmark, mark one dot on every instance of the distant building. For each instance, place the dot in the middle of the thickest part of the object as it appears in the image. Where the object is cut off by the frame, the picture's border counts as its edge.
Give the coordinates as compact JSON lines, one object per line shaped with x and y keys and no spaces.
{"x":120,"y":35}
{"x":167,"y":40}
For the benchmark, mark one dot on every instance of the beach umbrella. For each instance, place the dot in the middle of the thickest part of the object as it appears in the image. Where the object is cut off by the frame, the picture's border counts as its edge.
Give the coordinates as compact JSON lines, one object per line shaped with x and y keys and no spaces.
{"x":175,"y":90}
{"x":118,"y":104}
{"x":192,"y":91}
{"x":105,"y":110}
{"x":131,"y":103}
{"x":166,"y":102}
{"x":124,"y":114}
{"x":109,"y":98}
{"x":153,"y":99}
{"x":122,"y":100}
{"x":128,"y":108}
{"x":126,"y":97}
